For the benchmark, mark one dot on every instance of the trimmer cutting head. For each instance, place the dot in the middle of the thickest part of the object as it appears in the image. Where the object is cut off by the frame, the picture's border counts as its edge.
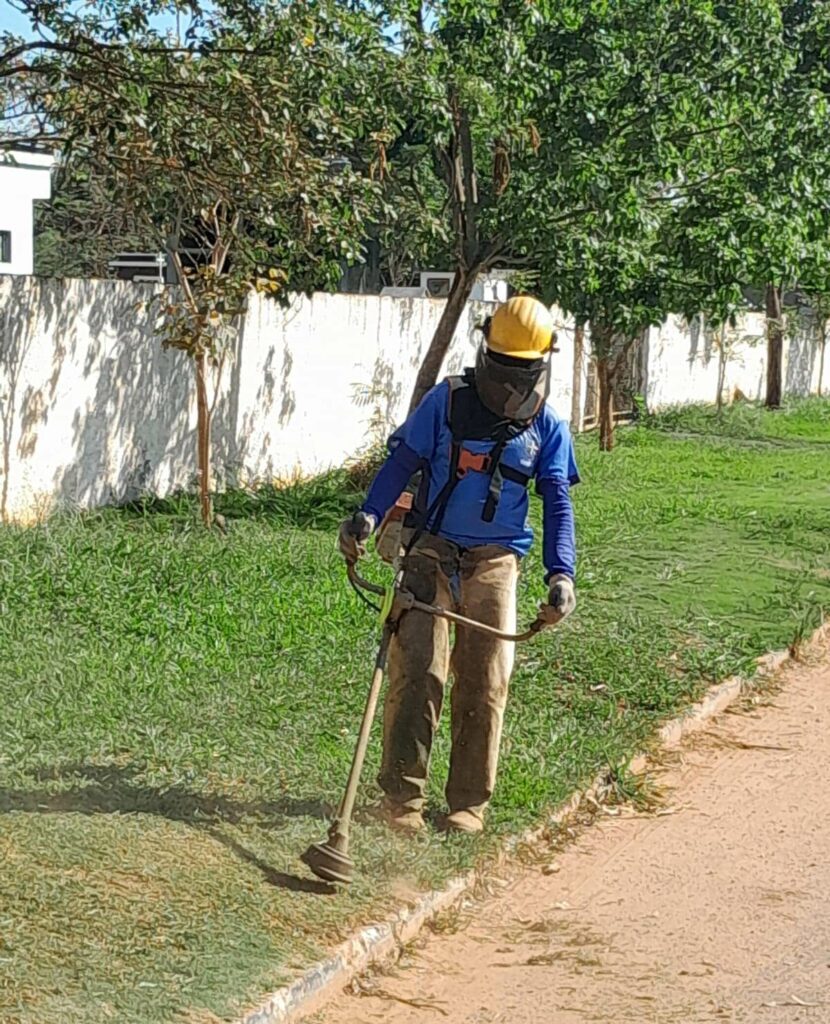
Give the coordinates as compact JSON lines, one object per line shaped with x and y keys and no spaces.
{"x":330,"y":859}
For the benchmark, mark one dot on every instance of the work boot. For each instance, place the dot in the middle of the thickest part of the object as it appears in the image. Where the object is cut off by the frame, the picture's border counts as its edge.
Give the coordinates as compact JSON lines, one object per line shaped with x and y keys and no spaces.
{"x":401,"y":818}
{"x":463,"y":821}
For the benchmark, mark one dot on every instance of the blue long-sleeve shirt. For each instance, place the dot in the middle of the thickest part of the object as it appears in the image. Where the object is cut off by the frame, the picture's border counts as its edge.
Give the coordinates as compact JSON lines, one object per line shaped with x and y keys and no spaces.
{"x":544,"y":451}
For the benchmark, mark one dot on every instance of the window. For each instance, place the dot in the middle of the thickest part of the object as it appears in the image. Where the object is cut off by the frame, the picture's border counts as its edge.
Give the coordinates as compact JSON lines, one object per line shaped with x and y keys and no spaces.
{"x":438,"y":287}
{"x":5,"y":246}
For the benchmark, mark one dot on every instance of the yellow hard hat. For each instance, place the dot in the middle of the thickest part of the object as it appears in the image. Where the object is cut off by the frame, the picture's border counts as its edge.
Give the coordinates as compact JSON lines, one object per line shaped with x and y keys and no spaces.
{"x":522,"y":328}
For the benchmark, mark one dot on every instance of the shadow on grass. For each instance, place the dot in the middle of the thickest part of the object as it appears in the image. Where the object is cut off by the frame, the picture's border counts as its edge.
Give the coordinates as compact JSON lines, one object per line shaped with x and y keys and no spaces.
{"x":279,"y":879}
{"x":317,"y":503}
{"x":109,"y":789}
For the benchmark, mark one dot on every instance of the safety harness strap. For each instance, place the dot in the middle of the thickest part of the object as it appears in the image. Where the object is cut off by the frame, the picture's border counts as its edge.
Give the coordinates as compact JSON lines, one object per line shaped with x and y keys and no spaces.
{"x":496,"y":478}
{"x":515,"y":476}
{"x":463,"y":461}
{"x":439,"y":506}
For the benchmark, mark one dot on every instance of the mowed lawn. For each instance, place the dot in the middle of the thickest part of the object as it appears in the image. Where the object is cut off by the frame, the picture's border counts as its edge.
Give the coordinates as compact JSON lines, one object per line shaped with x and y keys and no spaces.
{"x":179,"y":709}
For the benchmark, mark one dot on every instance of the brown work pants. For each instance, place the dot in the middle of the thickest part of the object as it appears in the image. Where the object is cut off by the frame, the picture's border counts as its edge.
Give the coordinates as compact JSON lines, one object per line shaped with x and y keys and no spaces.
{"x":479,"y":583}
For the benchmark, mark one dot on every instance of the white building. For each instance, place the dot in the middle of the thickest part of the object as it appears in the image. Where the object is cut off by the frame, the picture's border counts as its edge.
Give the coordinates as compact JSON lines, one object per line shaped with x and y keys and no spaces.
{"x":24,"y":177}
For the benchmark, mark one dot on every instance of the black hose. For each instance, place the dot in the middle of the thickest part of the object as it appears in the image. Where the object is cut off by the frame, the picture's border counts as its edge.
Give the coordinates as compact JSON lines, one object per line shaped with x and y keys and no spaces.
{"x":362,"y":595}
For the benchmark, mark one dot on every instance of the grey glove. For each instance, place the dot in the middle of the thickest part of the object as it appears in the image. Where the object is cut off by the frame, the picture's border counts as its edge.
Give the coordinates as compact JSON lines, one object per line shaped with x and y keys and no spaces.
{"x":354,"y":533}
{"x":561,"y":600}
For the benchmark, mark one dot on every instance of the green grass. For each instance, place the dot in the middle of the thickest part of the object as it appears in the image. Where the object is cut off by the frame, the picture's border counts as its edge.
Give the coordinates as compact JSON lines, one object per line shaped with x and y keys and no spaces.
{"x":180,"y":709}
{"x":803,"y":421}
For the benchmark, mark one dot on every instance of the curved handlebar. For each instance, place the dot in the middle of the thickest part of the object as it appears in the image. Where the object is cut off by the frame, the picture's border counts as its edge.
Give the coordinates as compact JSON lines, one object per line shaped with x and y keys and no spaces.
{"x":407,"y":601}
{"x":358,"y":581}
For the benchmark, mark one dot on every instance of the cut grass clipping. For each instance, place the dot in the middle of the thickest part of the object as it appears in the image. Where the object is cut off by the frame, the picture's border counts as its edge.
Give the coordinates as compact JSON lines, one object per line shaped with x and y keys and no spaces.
{"x":180,"y":709}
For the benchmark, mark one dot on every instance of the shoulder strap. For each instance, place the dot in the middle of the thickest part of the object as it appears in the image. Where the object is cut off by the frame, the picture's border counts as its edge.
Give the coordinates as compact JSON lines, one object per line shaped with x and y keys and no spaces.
{"x":431,"y":518}
{"x":496,"y":477}
{"x":455,"y":415}
{"x":459,"y":380}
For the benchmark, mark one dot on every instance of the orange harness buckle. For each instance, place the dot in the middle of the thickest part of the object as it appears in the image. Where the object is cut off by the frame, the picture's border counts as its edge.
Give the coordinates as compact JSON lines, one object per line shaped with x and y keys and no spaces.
{"x":475,"y":462}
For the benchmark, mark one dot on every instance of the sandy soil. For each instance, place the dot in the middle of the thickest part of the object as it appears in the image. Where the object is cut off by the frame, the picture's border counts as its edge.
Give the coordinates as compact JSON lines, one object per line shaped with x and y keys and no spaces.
{"x":714,"y":908}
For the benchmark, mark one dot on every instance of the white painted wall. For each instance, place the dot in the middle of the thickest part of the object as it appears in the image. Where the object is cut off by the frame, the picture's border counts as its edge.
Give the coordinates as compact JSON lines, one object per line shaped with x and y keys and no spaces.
{"x":24,"y":177}
{"x":92,"y":410}
{"x":682,"y":363}
{"x":332,"y":376}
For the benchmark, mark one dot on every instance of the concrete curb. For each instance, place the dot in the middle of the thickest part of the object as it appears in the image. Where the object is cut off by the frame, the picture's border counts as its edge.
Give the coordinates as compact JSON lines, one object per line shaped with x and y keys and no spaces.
{"x":383,"y":942}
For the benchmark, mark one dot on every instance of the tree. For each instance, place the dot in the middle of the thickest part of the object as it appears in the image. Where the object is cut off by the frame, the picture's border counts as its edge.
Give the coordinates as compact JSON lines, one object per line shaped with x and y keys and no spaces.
{"x":764,"y":226}
{"x":629,"y":297}
{"x":815,"y":279}
{"x":80,"y":229}
{"x":545,"y":121}
{"x":796,"y":164}
{"x":637,"y":126}
{"x":235,"y":145}
{"x":465,"y":111}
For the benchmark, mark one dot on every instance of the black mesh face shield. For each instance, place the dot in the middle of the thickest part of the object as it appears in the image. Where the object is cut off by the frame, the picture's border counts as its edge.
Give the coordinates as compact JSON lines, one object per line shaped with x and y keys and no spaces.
{"x":515,"y":389}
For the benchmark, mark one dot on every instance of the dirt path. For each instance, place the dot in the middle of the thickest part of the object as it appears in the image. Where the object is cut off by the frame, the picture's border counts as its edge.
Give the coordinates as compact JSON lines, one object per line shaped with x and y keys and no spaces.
{"x":715,"y":909}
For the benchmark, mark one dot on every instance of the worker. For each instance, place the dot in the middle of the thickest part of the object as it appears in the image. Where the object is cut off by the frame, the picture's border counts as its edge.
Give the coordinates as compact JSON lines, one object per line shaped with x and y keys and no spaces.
{"x":477,"y":441}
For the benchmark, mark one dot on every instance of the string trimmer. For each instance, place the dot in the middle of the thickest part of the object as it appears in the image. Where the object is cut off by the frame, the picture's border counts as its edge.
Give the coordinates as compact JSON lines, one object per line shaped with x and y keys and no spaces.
{"x":330,"y":859}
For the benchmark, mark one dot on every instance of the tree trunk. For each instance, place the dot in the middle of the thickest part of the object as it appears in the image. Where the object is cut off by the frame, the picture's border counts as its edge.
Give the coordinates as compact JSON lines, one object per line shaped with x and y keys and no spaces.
{"x":823,"y":344}
{"x":721,"y":368}
{"x":775,"y":347}
{"x":457,"y":166}
{"x":576,"y":390}
{"x":442,"y":339}
{"x":605,"y":403}
{"x":203,"y":439}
